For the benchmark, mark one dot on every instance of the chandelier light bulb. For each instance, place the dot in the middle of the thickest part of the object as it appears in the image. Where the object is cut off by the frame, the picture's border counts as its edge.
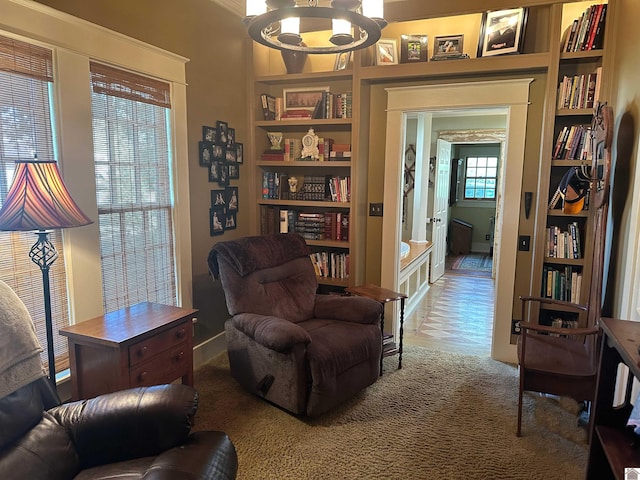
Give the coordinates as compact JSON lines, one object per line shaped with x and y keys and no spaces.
{"x":373,"y":8}
{"x":341,"y":32}
{"x":290,"y":31}
{"x":256,"y":7}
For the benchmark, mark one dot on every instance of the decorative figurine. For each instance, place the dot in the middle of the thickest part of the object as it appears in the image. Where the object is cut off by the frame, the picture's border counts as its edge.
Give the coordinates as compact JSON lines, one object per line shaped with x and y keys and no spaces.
{"x":310,"y":146}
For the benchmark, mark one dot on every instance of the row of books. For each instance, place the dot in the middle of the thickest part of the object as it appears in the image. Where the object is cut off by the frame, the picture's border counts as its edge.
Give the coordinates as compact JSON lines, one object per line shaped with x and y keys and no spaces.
{"x":330,"y":105}
{"x":586,"y":32}
{"x":330,"y":264}
{"x":283,"y":186}
{"x":573,"y":143}
{"x":315,"y":225}
{"x":580,"y":91}
{"x":562,"y":283}
{"x":291,"y":151}
{"x":564,"y":243}
{"x":564,"y":323}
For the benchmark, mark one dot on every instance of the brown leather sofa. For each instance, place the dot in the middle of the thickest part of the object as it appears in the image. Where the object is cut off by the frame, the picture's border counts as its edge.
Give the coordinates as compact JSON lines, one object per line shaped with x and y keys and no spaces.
{"x":137,"y":433}
{"x":299,"y":350}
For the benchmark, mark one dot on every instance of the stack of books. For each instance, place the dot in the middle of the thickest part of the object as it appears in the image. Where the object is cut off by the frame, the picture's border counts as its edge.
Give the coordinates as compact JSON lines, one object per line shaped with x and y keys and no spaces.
{"x":340,"y":151}
{"x":580,"y":91}
{"x":586,"y":32}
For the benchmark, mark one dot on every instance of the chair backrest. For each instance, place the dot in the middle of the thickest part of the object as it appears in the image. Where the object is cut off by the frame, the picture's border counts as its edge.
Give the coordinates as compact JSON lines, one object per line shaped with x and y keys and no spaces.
{"x":602,"y":134}
{"x":266,"y":274}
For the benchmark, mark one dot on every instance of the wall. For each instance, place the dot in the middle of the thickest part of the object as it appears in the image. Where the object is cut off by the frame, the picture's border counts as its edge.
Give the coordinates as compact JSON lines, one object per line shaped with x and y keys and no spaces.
{"x":626,"y":72}
{"x":214,"y":40}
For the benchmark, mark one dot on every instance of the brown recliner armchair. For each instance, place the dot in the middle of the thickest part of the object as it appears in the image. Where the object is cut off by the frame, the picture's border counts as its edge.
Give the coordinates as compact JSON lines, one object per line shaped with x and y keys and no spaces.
{"x":137,"y":433}
{"x":299,"y":350}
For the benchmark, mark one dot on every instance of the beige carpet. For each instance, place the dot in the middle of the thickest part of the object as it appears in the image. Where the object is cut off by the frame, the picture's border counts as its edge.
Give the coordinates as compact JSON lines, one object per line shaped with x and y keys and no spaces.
{"x":443,"y":416}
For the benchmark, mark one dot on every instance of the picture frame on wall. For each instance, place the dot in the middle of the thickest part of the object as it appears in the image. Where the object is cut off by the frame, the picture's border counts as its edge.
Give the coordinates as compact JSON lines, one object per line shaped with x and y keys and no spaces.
{"x":239,"y":152}
{"x":217,"y":221}
{"x":209,"y":134}
{"x":223,"y":174}
{"x":302,"y":98}
{"x":214,"y":171}
{"x":231,"y":221}
{"x":218,"y":152}
{"x":342,"y":61}
{"x":502,"y":32}
{"x":231,"y":198}
{"x":414,"y":48}
{"x":230,"y":155}
{"x":234,"y":171}
{"x":222,"y":132}
{"x":448,"y":46}
{"x":218,"y":198}
{"x":205,"y":153}
{"x":386,"y":52}
{"x":231,"y":137}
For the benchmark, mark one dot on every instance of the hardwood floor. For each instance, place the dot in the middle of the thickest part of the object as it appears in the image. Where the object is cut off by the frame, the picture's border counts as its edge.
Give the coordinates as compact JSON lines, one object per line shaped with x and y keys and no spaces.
{"x":456,"y":315}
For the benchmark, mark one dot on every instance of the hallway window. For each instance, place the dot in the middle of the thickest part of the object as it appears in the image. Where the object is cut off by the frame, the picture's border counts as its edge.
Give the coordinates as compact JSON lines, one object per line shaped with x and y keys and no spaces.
{"x":480,"y":178}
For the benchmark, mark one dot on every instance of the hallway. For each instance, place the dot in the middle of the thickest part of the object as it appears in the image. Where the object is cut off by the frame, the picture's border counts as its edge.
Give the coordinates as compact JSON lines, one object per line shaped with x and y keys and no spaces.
{"x":456,"y":315}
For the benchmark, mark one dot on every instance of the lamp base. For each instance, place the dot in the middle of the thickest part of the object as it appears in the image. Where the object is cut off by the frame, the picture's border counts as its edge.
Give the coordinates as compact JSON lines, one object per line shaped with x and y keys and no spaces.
{"x":294,"y":61}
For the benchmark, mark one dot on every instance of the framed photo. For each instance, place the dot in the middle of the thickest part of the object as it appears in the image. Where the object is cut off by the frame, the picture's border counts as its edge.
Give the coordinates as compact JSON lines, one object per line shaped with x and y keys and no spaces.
{"x":448,"y":46}
{"x":413,"y":48}
{"x":239,"y":153}
{"x":231,"y":221}
{"x":230,"y":155}
{"x":223,"y":174}
{"x":342,"y":61}
{"x":214,"y":171}
{"x":231,"y":137}
{"x":387,"y":52}
{"x":209,"y":134}
{"x":218,"y":198}
{"x":502,"y":32}
{"x":231,"y":198}
{"x":222,"y":132}
{"x":218,"y":152}
{"x":205,"y":150}
{"x":217,"y":221}
{"x":302,"y":98}
{"x":234,"y":171}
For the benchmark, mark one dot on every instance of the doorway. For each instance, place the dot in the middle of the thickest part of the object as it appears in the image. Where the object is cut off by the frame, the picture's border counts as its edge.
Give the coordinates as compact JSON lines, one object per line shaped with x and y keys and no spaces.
{"x":512,"y":95}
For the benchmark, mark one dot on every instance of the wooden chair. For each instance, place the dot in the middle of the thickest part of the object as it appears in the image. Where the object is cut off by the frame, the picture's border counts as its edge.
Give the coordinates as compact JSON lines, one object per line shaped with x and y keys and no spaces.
{"x":564,"y":361}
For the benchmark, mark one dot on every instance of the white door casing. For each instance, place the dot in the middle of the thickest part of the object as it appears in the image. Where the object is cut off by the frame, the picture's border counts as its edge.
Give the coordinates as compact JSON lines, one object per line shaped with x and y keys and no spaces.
{"x":513,"y":95}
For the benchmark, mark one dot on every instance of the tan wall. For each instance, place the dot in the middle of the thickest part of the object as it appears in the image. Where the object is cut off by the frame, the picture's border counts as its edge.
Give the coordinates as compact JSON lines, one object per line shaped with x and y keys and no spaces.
{"x":215,"y":42}
{"x":626,"y":88}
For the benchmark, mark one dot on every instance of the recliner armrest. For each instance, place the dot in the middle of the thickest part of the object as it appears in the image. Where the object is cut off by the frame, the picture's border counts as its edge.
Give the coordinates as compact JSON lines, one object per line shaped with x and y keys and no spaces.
{"x":272,"y":332}
{"x":349,"y":309}
{"x":128,"y":424}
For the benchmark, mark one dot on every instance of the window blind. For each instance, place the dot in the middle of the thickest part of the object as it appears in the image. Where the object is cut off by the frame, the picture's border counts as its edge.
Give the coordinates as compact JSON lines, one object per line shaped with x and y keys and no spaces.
{"x":131,"y":132}
{"x":26,"y":76}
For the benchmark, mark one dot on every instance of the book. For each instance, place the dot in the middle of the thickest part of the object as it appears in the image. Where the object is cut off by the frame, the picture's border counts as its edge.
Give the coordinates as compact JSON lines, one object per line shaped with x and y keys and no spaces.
{"x":268,"y":106}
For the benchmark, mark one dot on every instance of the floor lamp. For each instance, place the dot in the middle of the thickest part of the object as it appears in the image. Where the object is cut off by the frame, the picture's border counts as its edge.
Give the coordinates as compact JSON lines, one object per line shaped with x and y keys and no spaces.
{"x":38,"y":200}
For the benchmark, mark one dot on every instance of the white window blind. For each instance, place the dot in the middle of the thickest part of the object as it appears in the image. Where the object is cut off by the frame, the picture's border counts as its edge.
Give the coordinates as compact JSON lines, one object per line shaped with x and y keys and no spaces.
{"x":26,"y":112}
{"x":131,"y":135}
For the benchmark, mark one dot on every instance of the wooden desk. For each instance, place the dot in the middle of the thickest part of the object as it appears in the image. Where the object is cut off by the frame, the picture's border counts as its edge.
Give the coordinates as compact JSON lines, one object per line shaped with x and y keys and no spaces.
{"x":384,"y":296}
{"x":612,"y":448}
{"x":145,"y":344}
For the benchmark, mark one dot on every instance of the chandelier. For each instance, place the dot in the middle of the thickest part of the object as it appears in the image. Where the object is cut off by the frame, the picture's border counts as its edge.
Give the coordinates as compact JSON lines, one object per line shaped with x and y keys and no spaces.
{"x":355,"y":24}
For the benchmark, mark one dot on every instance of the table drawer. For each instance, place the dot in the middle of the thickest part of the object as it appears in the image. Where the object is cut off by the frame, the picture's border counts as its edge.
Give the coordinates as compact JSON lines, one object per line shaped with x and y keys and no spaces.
{"x":148,"y":348}
{"x":164,"y":368}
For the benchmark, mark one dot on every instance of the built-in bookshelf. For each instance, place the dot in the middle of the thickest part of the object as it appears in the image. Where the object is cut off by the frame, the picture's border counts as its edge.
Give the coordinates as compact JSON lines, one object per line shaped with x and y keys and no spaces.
{"x":564,"y":272}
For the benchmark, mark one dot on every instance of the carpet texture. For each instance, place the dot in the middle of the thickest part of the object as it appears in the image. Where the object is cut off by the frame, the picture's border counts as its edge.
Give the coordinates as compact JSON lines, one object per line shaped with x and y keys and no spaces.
{"x":443,"y":416}
{"x":473,"y":261}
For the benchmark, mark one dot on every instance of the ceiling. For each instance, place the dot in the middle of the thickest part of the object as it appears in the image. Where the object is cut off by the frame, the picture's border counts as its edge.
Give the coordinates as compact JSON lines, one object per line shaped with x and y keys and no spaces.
{"x":238,"y":6}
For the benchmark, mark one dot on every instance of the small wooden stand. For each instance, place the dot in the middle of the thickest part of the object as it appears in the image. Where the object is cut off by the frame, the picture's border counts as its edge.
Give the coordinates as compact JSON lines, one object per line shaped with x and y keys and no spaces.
{"x":384,"y":296}
{"x":145,"y":344}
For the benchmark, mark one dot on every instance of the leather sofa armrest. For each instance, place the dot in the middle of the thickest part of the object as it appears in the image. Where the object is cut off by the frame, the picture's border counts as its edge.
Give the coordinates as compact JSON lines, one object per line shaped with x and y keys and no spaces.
{"x":206,"y":454}
{"x":349,"y":309}
{"x":272,"y":332}
{"x":128,"y":424}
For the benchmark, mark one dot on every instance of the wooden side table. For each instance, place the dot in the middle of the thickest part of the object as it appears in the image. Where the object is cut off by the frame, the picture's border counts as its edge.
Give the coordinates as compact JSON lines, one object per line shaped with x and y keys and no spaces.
{"x":384,"y":296}
{"x":145,"y":344}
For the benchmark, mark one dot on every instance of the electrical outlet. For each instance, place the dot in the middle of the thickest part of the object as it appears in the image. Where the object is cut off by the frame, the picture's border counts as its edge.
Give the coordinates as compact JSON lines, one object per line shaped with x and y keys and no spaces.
{"x":375,"y":209}
{"x":523,"y":243}
{"x":487,"y":237}
{"x":515,"y":327}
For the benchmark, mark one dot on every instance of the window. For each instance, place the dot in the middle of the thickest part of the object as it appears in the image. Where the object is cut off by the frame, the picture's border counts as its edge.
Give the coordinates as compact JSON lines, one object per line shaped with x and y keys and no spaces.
{"x":131,"y":136}
{"x":26,"y":113}
{"x":480,"y":178}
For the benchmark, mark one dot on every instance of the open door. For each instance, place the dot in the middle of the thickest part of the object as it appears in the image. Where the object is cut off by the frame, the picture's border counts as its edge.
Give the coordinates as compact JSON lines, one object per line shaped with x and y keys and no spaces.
{"x":440,"y":216}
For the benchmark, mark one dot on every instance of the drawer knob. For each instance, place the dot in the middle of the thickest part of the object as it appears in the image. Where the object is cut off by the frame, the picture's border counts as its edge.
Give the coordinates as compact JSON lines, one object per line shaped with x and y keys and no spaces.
{"x":142,"y":351}
{"x":181,"y":333}
{"x":179,"y":356}
{"x":142,"y":376}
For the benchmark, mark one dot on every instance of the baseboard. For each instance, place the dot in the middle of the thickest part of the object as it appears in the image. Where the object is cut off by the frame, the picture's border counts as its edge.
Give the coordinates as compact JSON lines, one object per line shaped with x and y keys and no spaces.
{"x":205,"y":351}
